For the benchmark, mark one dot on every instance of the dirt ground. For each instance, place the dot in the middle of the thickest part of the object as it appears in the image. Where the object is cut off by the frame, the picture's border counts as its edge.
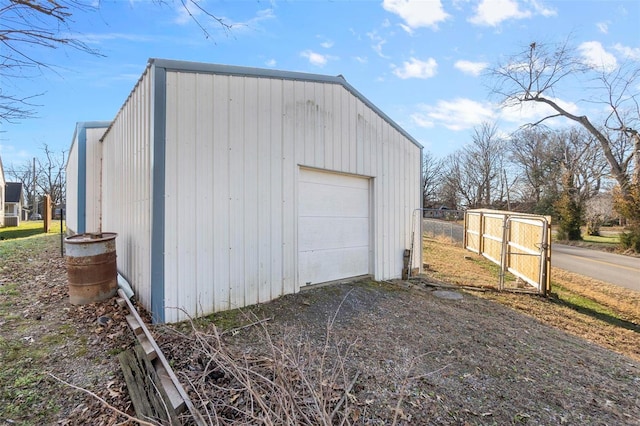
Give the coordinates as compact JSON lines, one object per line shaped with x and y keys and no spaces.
{"x":429,"y":356}
{"x":419,"y":355}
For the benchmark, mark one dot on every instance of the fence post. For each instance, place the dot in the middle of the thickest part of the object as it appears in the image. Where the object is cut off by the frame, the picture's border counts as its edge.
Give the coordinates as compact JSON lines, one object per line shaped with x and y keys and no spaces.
{"x":504,"y":250}
{"x":481,"y":234}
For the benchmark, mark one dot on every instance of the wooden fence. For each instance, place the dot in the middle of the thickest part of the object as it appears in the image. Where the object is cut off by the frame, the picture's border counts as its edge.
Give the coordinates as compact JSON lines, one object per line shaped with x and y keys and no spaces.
{"x":519,"y":243}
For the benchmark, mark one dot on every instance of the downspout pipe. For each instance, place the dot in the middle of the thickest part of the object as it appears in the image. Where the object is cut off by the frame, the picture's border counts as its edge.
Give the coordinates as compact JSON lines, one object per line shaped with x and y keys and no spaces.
{"x":124,"y":285}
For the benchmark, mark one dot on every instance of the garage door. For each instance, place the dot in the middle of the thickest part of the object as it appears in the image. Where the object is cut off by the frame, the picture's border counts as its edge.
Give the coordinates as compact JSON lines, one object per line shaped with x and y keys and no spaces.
{"x":333,"y":226}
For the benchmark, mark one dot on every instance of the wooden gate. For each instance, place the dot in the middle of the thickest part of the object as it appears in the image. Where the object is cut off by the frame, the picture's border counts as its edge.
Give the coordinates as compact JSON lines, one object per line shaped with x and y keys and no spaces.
{"x":519,"y":243}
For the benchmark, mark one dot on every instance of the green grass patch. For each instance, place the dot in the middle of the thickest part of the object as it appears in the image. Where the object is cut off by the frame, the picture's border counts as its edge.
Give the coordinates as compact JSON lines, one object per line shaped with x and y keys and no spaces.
{"x":21,"y":397}
{"x":10,"y":289}
{"x":590,"y":307}
{"x":602,"y":239}
{"x":29,"y":229}
{"x":21,"y":248}
{"x":20,"y":351}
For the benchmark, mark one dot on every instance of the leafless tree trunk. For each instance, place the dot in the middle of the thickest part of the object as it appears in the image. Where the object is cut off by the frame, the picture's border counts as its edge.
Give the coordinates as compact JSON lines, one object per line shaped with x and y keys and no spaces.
{"x":50,"y":180}
{"x":483,"y":163}
{"x":474,"y":173}
{"x":531,"y":153}
{"x":580,"y":155}
{"x":538,"y":72}
{"x":431,"y":177}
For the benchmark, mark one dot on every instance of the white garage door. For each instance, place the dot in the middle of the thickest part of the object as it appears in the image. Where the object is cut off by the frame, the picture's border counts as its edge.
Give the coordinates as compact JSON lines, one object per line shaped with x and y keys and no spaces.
{"x":333,"y":226}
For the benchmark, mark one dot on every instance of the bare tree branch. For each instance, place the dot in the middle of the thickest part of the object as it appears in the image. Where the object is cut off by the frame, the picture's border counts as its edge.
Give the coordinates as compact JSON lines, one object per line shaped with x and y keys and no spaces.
{"x":29,"y":27}
{"x":537,"y":73}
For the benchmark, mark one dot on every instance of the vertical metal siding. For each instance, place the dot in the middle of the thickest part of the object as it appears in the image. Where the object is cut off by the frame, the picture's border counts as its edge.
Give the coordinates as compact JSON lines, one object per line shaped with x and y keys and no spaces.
{"x":234,"y":148}
{"x":127,"y":186}
{"x":93,"y":191}
{"x":71,"y":173}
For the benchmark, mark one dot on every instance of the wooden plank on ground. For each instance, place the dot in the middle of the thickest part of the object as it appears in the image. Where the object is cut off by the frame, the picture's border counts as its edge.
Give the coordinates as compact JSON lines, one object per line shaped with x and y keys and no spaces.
{"x":177,"y":403}
{"x":148,"y":396}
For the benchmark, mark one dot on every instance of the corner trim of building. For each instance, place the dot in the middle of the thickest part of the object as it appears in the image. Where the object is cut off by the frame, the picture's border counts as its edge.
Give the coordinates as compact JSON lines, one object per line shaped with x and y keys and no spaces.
{"x":159,"y":78}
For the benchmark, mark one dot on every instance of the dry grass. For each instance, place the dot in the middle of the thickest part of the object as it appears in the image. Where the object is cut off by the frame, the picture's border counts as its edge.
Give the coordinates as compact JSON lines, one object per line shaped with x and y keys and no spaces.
{"x":290,"y":381}
{"x":602,"y":313}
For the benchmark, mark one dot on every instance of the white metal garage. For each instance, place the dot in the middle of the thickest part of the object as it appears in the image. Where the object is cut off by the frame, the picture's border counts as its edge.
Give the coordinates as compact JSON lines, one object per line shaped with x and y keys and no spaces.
{"x":333,"y":226}
{"x":246,"y":184}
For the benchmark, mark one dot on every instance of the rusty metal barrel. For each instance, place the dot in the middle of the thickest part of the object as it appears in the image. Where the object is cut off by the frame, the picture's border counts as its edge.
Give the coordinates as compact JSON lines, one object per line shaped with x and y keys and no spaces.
{"x":92,"y":272}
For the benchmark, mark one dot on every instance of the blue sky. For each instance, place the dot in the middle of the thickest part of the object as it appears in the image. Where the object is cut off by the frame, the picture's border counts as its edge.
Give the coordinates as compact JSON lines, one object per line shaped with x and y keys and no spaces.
{"x":421,"y":62}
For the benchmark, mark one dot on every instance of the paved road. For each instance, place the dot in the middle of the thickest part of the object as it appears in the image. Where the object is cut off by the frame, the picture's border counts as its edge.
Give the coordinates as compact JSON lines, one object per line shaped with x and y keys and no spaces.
{"x":612,"y":268}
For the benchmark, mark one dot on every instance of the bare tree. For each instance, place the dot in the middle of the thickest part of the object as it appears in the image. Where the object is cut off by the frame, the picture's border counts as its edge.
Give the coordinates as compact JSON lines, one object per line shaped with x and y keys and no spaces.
{"x":538,"y":72}
{"x":474,"y":174}
{"x":48,"y":176}
{"x":531,"y":153}
{"x":598,"y":209}
{"x":578,"y":153}
{"x":25,"y":25}
{"x":431,"y":177}
{"x":457,"y":187}
{"x":50,"y":180}
{"x":22,"y":173}
{"x":484,"y":162}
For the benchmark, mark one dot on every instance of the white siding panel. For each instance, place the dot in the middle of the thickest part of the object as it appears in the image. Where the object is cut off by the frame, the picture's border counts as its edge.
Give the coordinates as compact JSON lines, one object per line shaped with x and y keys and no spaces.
{"x":71,"y":173}
{"x":204,"y":184}
{"x":290,"y":149}
{"x":264,"y":188}
{"x":275,"y":202}
{"x":250,"y":193}
{"x":236,"y":188}
{"x":220,"y":213}
{"x":127,"y":186}
{"x":94,"y":180}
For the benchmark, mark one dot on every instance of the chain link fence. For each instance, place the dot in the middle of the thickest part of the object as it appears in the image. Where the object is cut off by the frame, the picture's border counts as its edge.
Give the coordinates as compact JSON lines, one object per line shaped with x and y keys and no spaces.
{"x":434,"y":228}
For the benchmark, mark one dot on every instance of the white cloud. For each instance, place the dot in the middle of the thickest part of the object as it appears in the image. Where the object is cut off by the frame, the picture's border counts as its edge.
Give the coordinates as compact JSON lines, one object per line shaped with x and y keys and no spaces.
{"x":603,"y":27}
{"x":463,"y":114}
{"x":315,"y":58}
{"x":422,"y":120}
{"x":379,"y":42}
{"x":327,"y":44}
{"x":472,"y":68}
{"x":361,"y":59}
{"x":543,"y":10}
{"x":417,"y":13}
{"x":457,"y":114}
{"x":595,"y":56}
{"x":250,"y":24}
{"x":416,"y":68}
{"x":531,"y":112}
{"x":627,"y":52}
{"x":99,"y":38}
{"x":186,"y":12}
{"x":492,"y":12}
{"x":271,"y":63}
